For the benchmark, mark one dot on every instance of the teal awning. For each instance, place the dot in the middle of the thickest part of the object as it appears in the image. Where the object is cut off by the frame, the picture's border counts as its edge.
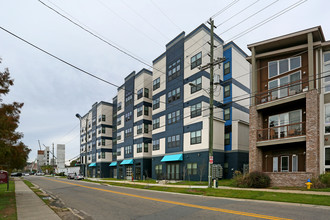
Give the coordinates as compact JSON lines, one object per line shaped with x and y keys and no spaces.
{"x":113,"y":164}
{"x":173,"y":157}
{"x":126,"y":162}
{"x":92,"y":165}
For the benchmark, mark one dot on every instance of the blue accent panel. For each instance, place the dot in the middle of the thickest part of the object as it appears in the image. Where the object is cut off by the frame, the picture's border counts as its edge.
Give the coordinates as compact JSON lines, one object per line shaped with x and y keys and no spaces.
{"x":127,"y":162}
{"x":113,"y":164}
{"x":149,"y":104}
{"x":228,"y":122}
{"x":173,"y":157}
{"x":229,"y":98}
{"x":177,"y":37}
{"x":129,"y":77}
{"x":232,"y":44}
{"x":107,"y":138}
{"x":229,"y":146}
{"x":196,"y":76}
{"x":143,"y":121}
{"x":235,"y":161}
{"x":104,"y":150}
{"x":142,"y":140}
{"x":196,"y":100}
{"x":193,"y":127}
{"x":228,"y":55}
{"x":240,"y":85}
{"x":161,"y":93}
{"x":158,"y":135}
{"x":103,"y":125}
{"x":240,"y":107}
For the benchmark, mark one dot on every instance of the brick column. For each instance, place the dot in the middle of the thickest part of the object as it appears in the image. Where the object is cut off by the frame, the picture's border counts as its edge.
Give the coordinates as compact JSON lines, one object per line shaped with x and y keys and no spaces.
{"x":312,"y":132}
{"x":255,"y":154}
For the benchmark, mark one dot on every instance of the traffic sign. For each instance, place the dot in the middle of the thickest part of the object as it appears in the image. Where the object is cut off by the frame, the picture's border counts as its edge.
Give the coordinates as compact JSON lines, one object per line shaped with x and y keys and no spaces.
{"x":211,"y":159}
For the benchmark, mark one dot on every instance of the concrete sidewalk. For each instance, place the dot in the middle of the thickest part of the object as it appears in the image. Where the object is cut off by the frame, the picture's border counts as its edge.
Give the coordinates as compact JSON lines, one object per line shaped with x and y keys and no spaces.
{"x":220,"y":187}
{"x":29,"y":205}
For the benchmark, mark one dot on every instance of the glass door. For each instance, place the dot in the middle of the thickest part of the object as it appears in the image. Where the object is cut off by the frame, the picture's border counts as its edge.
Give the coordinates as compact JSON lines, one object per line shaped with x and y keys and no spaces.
{"x":173,"y":171}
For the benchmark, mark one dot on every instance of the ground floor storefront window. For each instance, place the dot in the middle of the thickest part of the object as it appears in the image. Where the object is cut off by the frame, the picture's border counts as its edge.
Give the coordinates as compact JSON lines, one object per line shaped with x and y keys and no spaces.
{"x":173,"y":171}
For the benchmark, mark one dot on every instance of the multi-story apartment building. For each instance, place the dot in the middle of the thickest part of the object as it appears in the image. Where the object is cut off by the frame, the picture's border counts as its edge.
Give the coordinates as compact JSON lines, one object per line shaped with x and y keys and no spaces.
{"x":288,"y":117}
{"x":96,"y":140}
{"x":133,"y":127}
{"x":180,"y":115}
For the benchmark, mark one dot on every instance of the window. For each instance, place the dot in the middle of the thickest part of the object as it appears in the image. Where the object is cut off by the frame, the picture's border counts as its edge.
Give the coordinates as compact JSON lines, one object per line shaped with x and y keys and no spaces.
{"x":103,"y":155}
{"x":285,"y":90}
{"x":128,"y":116}
{"x":278,"y":122}
{"x":128,"y":132}
{"x":327,"y":119}
{"x":227,"y":114}
{"x":326,"y":71}
{"x":173,"y":141}
{"x":196,"y":60}
{"x":119,"y":136}
{"x":139,"y":93}
{"x":192,"y":168}
{"x":196,"y":110}
{"x":174,"y":70}
{"x":146,"y":110}
{"x":103,"y":130}
{"x":227,"y":91}
{"x":155,"y":123}
{"x":146,"y":128}
{"x":139,"y":111}
{"x":128,"y":100}
{"x":158,"y":170}
{"x":128,"y":149}
{"x":145,"y":148}
{"x":146,"y":92}
{"x":103,"y":117}
{"x":119,"y":121}
{"x":119,"y":152}
{"x":327,"y":156}
{"x":139,"y":148}
{"x":156,"y":84}
{"x":173,"y":117}
{"x":119,"y":106}
{"x":173,"y":95}
{"x":226,"y":68}
{"x":155,"y":103}
{"x":195,"y":137}
{"x":275,"y":164}
{"x":227,"y":139}
{"x":139,"y":129}
{"x":197,"y":85}
{"x":155,"y":144}
{"x":285,"y":163}
{"x":279,"y":67}
{"x":294,"y":163}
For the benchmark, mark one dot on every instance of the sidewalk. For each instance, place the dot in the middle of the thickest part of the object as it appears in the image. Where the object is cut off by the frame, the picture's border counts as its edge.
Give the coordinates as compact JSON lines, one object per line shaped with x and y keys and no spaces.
{"x":220,"y":187}
{"x":29,"y":205}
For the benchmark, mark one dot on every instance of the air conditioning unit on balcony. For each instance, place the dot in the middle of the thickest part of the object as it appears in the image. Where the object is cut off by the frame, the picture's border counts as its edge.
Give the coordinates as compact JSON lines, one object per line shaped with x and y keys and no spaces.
{"x":305,"y":89}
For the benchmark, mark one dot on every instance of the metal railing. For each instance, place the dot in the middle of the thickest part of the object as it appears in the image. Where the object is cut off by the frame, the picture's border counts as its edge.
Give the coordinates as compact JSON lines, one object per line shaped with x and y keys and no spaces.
{"x":279,"y":92}
{"x":284,"y":131}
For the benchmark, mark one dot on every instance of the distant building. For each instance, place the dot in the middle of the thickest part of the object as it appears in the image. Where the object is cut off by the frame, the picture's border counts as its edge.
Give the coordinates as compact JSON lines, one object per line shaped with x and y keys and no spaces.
{"x":46,"y":155}
{"x":60,"y":156}
{"x":41,"y":159}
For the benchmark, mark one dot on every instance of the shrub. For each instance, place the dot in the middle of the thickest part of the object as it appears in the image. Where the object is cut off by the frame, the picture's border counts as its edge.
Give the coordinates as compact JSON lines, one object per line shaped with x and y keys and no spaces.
{"x":325,"y":179}
{"x":257,"y":180}
{"x":239,"y":179}
{"x":317,"y":184}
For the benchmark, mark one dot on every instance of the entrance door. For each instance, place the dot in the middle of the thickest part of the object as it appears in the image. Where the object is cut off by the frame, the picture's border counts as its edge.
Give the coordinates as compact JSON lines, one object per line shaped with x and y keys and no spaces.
{"x":173,"y":171}
{"x":137,"y":175}
{"x":115,"y":173}
{"x":129,"y":172}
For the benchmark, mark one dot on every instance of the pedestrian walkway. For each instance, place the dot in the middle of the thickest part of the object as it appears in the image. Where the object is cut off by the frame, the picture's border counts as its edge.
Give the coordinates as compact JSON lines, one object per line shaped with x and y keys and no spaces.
{"x":220,"y":187}
{"x":29,"y":205}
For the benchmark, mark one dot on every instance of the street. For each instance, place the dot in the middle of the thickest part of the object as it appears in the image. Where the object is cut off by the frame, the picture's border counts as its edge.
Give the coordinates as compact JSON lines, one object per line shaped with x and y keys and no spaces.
{"x":112,"y":202}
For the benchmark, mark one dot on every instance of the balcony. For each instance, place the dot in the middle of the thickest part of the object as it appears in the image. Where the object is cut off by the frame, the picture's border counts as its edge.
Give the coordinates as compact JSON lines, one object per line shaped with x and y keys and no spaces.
{"x":282,"y":132}
{"x":280,"y":92}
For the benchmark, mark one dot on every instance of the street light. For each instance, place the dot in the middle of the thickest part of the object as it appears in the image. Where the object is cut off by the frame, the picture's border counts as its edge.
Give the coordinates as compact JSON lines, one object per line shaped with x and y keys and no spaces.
{"x":80,"y":118}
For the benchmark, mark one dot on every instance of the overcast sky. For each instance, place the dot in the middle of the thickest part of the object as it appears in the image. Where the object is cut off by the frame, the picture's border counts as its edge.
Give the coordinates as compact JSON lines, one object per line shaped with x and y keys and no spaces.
{"x":53,"y":92}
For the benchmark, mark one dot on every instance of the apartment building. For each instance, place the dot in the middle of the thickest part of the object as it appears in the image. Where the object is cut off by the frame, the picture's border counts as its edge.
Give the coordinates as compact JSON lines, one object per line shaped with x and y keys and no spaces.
{"x":133,"y":123}
{"x":180,"y":110}
{"x":96,"y":140}
{"x":288,"y":115}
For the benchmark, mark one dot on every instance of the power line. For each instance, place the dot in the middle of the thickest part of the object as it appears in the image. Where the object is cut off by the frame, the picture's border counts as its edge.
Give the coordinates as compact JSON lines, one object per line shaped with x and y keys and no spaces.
{"x":224,"y":9}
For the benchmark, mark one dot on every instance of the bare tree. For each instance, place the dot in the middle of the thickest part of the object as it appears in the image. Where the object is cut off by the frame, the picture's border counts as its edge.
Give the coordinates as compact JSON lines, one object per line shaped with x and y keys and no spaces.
{"x":201,"y":169}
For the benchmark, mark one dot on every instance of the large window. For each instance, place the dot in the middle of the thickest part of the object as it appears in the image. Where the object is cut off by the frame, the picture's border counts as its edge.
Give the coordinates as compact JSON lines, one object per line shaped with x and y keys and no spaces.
{"x":139,"y":148}
{"x":119,"y":136}
{"x":226,"y":68}
{"x":128,"y":149}
{"x":119,"y":106}
{"x":146,"y":92}
{"x":174,"y":70}
{"x":156,"y":84}
{"x":173,"y":95}
{"x":146,"y":110}
{"x":158,"y":170}
{"x":196,"y":110}
{"x":192,"y":168}
{"x":146,"y":128}
{"x":195,"y":137}
{"x":227,"y":139}
{"x":292,"y":119}
{"x":197,"y":85}
{"x":139,"y":129}
{"x":128,"y":116}
{"x":279,"y":67}
{"x":128,"y":132}
{"x":155,"y":123}
{"x":173,"y":117}
{"x":196,"y":60}
{"x":145,"y":147}
{"x":294,"y":163}
{"x":155,"y":144}
{"x":326,"y":71}
{"x":139,"y":111}
{"x":227,"y":91}
{"x":128,"y":100}
{"x":284,"y":91}
{"x":327,"y":119}
{"x":227,"y":114}
{"x":285,"y":163}
{"x":119,"y":121}
{"x":155,"y":103}
{"x":139,"y":93}
{"x":327,"y":156}
{"x":173,"y":141}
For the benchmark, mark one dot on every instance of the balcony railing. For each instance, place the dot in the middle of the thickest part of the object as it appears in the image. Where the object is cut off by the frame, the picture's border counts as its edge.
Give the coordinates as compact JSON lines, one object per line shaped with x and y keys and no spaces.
{"x":284,"y":131}
{"x":279,"y":92}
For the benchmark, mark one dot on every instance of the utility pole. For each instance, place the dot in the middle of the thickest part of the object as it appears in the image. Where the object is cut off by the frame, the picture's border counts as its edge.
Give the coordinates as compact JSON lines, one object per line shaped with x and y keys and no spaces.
{"x":211,"y":66}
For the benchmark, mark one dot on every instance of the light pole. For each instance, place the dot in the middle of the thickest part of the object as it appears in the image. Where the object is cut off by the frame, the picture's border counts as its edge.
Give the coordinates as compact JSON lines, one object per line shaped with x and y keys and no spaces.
{"x":80,"y":118}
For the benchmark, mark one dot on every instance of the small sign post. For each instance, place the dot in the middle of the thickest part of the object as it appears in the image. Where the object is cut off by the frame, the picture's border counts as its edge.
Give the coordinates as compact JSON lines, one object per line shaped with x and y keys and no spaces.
{"x":4,"y":178}
{"x":211,"y":159}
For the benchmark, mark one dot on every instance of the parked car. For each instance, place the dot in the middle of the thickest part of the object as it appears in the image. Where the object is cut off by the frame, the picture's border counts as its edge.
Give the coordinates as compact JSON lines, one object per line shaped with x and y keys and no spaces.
{"x":40,"y":174}
{"x":78,"y":177}
{"x":16,"y":174}
{"x":70,"y":176}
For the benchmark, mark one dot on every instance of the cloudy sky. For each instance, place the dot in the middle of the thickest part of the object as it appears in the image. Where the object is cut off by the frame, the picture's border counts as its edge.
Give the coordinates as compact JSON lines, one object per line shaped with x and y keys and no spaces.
{"x":54,"y":92}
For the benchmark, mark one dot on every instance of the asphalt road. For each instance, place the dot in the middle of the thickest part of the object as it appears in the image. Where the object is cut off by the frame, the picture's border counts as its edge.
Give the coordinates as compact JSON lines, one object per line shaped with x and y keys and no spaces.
{"x":111,"y":202}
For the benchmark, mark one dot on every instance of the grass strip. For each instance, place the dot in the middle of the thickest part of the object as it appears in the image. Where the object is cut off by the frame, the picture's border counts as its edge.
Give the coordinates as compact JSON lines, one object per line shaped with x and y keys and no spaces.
{"x":37,"y":191}
{"x":8,"y":201}
{"x":239,"y":194}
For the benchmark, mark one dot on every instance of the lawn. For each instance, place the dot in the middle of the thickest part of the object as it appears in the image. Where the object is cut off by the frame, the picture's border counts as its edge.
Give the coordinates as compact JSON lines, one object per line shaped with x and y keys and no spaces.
{"x":8,"y":201}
